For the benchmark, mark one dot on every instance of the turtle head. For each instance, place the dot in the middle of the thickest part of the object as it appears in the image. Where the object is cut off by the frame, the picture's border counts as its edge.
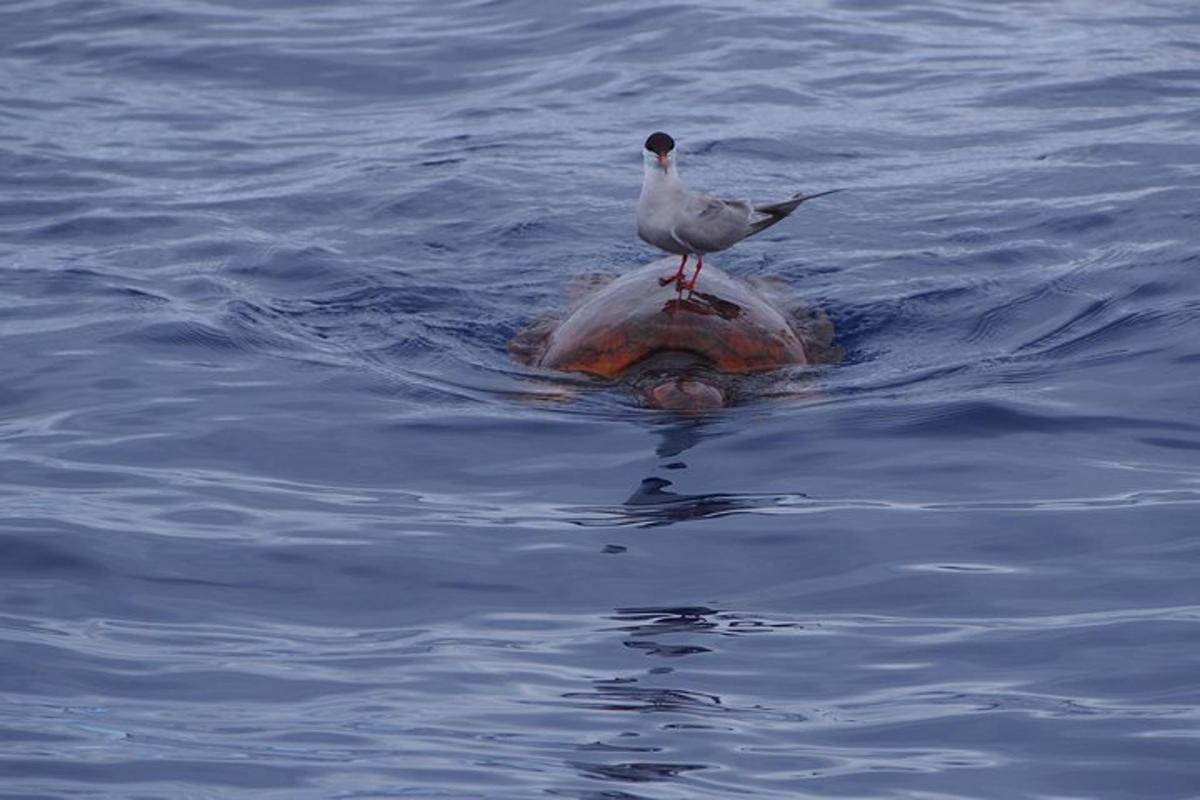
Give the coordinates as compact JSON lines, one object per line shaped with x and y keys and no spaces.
{"x":686,"y":394}
{"x":676,"y":380}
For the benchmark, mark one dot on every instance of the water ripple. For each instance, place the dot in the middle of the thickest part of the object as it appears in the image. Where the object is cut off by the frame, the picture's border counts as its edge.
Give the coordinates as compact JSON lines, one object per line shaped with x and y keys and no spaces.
{"x":282,"y":519}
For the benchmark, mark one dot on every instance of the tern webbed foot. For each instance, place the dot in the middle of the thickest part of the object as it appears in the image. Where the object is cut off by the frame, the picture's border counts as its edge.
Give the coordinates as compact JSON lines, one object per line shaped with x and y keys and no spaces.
{"x":678,"y":276}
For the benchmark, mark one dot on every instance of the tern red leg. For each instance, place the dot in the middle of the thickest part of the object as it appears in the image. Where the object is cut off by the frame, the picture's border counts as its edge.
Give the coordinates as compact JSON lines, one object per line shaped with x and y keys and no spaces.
{"x":699,"y":266}
{"x":678,"y":276}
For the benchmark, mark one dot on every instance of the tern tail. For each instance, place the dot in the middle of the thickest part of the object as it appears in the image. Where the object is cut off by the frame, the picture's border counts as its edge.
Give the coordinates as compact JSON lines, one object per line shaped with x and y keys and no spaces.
{"x":777,"y":211}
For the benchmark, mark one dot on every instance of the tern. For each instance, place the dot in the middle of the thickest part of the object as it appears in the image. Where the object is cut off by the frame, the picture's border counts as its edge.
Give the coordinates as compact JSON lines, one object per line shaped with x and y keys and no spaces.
{"x":673,"y":218}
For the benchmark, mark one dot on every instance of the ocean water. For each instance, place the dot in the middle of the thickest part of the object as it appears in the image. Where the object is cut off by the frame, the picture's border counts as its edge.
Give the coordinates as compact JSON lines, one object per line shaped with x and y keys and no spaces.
{"x":279,"y":518}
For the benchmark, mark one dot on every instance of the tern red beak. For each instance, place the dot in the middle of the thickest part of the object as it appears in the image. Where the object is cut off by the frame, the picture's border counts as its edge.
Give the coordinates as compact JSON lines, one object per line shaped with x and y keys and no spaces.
{"x":662,"y":159}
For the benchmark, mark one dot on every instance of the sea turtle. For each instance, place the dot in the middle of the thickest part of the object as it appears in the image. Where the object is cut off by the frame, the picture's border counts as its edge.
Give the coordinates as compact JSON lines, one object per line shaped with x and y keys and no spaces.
{"x":676,"y":349}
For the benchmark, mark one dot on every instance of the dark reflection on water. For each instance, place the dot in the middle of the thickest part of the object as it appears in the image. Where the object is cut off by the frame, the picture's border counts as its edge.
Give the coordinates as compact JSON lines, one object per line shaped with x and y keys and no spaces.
{"x":636,"y":772}
{"x":626,"y":695}
{"x":680,"y":435}
{"x":279,"y":518}
{"x":652,"y":504}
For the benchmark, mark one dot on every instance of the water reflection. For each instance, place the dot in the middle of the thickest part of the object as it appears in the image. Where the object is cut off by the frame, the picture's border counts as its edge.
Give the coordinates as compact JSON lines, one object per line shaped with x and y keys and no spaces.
{"x":655,"y":631}
{"x":662,"y":632}
{"x":639,"y":772}
{"x":654,"y":503}
{"x":679,"y":436}
{"x":624,"y":694}
{"x":658,"y":621}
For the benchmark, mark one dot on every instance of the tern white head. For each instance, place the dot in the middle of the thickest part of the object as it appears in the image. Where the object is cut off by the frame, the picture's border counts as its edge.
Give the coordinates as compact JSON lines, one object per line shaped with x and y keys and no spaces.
{"x":675,"y":219}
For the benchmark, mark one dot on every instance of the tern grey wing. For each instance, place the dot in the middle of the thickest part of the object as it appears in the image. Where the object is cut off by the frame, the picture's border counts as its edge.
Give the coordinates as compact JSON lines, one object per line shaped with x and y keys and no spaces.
{"x":707,"y":224}
{"x":770,"y":213}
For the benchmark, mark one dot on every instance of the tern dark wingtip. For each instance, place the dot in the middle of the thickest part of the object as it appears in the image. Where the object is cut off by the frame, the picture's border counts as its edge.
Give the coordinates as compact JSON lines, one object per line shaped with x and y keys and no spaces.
{"x":660,"y":143}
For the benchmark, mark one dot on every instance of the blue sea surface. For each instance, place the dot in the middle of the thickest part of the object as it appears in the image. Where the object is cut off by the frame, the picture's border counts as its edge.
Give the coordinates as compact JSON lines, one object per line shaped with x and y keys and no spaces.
{"x":279,"y":517}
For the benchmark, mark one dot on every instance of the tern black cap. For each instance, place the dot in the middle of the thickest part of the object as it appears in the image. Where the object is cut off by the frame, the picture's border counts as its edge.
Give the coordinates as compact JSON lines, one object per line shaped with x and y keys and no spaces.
{"x":660,"y":143}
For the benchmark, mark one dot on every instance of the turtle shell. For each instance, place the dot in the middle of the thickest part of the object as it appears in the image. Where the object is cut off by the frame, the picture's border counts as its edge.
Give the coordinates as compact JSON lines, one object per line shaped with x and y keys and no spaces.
{"x":733,"y":326}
